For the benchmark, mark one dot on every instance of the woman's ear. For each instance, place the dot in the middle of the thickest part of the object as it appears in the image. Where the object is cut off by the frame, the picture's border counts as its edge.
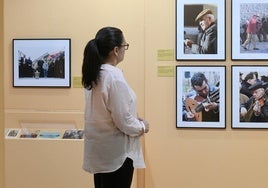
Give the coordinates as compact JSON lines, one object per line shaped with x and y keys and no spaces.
{"x":116,"y":51}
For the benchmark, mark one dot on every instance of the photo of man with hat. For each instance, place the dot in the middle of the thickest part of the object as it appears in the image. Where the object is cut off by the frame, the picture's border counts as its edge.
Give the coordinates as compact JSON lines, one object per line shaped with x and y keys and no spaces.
{"x":207,"y":42}
{"x":256,"y":108}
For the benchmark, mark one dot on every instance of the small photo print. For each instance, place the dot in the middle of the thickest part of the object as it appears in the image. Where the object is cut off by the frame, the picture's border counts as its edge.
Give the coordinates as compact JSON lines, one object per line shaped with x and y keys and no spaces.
{"x":26,"y":133}
{"x":12,"y":133}
{"x":73,"y":134}
{"x":49,"y":134}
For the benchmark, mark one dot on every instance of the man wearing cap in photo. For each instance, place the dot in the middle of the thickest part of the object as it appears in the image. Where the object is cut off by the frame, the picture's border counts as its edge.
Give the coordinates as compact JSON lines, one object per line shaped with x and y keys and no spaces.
{"x":208,"y":39}
{"x":256,"y":108}
{"x":250,"y":79}
{"x":251,"y":33}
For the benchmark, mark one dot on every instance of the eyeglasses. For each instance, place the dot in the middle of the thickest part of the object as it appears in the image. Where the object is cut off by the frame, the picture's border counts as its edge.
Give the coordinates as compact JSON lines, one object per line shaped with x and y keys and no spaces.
{"x":125,"y":46}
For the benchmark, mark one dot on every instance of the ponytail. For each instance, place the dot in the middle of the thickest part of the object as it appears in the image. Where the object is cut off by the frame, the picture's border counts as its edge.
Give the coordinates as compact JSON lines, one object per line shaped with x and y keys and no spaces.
{"x":95,"y":53}
{"x":91,"y":65}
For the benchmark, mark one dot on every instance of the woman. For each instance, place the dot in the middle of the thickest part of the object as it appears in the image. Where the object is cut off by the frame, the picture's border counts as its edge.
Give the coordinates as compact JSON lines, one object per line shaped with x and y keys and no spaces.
{"x":112,"y":129}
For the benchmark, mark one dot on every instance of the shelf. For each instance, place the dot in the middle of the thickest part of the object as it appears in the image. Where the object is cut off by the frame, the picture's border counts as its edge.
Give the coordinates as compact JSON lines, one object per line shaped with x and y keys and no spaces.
{"x":24,"y":133}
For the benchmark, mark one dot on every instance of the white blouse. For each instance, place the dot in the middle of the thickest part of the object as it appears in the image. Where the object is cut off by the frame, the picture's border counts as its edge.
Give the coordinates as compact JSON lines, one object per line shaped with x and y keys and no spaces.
{"x":111,"y":125}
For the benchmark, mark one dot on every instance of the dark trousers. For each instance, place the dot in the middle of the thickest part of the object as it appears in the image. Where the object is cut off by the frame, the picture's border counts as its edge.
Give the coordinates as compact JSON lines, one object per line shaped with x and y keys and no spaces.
{"x":120,"y":178}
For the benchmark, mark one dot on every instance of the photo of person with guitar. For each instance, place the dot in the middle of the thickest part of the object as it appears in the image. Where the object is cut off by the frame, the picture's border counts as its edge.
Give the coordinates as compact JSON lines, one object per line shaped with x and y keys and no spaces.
{"x":202,"y":102}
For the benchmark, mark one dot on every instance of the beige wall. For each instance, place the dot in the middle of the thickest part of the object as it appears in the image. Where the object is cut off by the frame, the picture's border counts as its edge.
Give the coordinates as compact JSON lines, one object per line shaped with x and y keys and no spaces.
{"x":187,"y":158}
{"x":1,"y":99}
{"x":78,"y":20}
{"x":193,"y":158}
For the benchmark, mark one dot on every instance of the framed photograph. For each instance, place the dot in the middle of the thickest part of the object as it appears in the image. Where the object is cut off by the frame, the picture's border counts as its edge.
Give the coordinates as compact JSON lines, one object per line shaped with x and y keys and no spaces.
{"x":200,"y":30}
{"x":41,"y":63}
{"x":200,"y":96}
{"x":249,"y":30}
{"x":249,"y":96}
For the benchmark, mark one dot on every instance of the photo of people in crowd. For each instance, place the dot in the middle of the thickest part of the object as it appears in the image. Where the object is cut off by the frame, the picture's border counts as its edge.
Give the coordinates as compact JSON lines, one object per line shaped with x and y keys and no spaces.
{"x":254,"y":27}
{"x":48,"y":65}
{"x":41,"y":62}
{"x":249,"y":30}
{"x":200,"y":96}
{"x":250,"y":98}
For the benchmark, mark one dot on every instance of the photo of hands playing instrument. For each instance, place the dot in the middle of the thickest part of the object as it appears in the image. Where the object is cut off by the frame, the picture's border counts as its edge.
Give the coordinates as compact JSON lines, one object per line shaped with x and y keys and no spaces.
{"x":255,"y":108}
{"x":201,"y":103}
{"x":195,"y":106}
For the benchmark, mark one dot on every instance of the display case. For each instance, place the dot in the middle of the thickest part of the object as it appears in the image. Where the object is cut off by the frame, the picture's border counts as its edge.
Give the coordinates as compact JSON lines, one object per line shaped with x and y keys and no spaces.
{"x":46,"y":158}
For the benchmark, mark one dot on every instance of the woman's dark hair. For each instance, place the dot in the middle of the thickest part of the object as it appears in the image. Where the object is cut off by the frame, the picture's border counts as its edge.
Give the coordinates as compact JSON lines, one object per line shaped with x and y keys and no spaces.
{"x":96,"y":52}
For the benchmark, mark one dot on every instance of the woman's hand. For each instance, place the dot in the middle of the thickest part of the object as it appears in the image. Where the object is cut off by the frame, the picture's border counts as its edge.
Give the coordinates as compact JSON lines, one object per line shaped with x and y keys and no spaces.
{"x":146,"y":125}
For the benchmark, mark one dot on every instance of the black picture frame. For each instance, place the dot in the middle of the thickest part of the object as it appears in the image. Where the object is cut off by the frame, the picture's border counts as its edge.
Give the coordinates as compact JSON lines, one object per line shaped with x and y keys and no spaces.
{"x":215,"y":76}
{"x":188,"y":28}
{"x":42,"y":62}
{"x":243,"y":12}
{"x":241,"y":97}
